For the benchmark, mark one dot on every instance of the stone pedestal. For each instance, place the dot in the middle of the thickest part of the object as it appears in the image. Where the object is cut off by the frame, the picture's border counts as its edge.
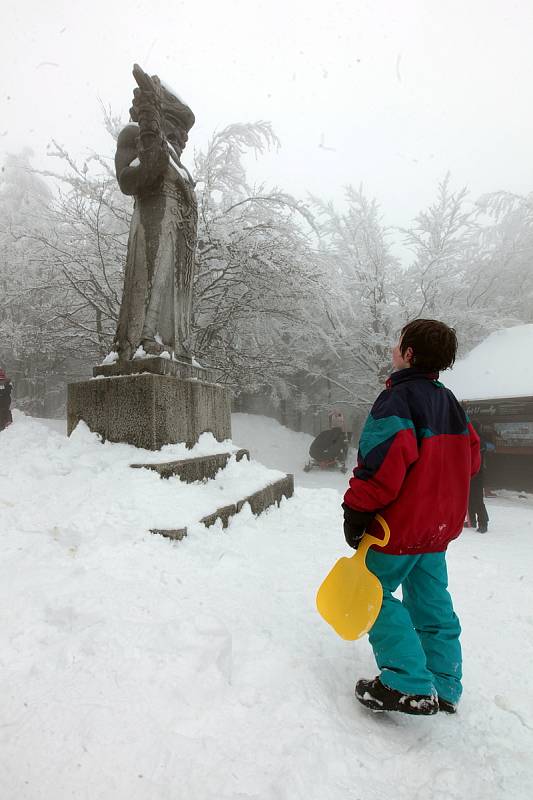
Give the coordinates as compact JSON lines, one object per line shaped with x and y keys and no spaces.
{"x":150,"y":410}
{"x":156,"y":365}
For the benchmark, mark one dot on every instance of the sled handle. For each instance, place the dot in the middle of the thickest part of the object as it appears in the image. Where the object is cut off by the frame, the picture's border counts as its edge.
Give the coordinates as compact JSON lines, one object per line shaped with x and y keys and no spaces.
{"x":368,"y":540}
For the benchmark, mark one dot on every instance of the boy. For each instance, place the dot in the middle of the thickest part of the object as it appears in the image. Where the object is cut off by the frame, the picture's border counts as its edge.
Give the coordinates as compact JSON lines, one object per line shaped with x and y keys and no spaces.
{"x":416,"y":456}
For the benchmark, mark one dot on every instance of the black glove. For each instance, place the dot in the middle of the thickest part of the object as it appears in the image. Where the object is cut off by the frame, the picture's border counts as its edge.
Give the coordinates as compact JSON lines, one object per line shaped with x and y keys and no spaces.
{"x":355,"y":523}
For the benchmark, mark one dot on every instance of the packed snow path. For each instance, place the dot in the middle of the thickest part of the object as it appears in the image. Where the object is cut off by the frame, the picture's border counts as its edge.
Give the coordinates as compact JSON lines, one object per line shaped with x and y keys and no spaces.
{"x":134,"y":668}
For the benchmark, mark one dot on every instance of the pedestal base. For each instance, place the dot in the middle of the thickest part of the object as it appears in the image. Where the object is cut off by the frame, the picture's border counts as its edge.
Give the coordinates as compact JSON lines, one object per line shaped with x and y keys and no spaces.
{"x":157,"y":365}
{"x":149,"y":411}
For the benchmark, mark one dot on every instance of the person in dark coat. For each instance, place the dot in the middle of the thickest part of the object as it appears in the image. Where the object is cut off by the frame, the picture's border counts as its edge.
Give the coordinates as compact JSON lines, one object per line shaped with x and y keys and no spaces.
{"x":5,"y":400}
{"x":477,"y":511}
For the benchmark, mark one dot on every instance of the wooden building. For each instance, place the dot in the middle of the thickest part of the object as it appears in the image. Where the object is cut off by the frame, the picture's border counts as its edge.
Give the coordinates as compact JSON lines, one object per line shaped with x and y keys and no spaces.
{"x":506,"y":422}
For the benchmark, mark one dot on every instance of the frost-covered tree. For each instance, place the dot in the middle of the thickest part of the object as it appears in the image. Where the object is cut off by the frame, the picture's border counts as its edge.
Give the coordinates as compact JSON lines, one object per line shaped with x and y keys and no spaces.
{"x":503,"y":282}
{"x":258,"y":271}
{"x":25,"y":347}
{"x":84,"y":246}
{"x":470,"y":265}
{"x":440,"y":240}
{"x":363,"y":308}
{"x":23,"y":199}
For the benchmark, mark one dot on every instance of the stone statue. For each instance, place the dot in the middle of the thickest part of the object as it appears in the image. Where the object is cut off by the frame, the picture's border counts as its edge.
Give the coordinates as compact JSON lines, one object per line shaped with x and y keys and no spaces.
{"x":158,"y":281}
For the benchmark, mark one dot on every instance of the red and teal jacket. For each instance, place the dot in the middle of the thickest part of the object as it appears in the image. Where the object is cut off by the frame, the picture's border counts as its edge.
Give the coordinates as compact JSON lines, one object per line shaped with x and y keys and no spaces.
{"x":416,"y":456}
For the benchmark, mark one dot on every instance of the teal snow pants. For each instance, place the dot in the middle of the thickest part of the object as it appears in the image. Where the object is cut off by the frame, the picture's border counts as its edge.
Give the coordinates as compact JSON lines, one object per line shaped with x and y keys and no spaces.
{"x":416,"y":640}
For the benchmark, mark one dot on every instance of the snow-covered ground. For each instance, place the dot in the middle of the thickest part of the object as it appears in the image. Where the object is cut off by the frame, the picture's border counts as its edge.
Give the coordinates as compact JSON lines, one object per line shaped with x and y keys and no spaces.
{"x":134,"y":668}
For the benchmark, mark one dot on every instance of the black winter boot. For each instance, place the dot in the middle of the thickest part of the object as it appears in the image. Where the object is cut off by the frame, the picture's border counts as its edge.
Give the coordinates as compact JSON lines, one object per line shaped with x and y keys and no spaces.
{"x":447,"y":706}
{"x":377,"y":697}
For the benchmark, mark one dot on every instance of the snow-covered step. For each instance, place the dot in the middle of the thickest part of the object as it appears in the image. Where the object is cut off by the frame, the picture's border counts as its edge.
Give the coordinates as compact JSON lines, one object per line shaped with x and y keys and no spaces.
{"x":194,"y":469}
{"x":271,"y":494}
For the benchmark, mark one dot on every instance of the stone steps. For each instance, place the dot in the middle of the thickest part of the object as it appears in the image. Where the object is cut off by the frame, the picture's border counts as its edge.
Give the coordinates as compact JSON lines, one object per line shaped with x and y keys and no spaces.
{"x":205,"y":468}
{"x":259,"y":501}
{"x":193,"y":469}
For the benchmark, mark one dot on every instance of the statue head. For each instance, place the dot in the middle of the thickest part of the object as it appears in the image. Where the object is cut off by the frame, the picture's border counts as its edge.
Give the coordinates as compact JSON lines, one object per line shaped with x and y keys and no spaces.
{"x":177,"y":117}
{"x":175,"y":134}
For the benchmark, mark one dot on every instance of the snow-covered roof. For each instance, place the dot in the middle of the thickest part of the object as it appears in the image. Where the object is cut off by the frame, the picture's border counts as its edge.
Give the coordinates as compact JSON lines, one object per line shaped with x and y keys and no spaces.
{"x":501,"y":366}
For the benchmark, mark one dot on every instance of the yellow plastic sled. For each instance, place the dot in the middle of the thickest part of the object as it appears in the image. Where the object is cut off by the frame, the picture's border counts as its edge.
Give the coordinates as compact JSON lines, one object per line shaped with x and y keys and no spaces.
{"x":350,"y":596}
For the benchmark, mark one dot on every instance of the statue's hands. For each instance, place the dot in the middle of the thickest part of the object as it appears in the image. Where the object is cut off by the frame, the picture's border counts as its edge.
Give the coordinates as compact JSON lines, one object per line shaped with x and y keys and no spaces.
{"x":137,"y":167}
{"x":155,"y":159}
{"x":152,"y":164}
{"x":146,"y":110}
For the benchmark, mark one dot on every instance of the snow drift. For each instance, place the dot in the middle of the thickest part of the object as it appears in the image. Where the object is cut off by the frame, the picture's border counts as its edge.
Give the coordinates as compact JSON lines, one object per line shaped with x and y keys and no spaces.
{"x":134,"y":668}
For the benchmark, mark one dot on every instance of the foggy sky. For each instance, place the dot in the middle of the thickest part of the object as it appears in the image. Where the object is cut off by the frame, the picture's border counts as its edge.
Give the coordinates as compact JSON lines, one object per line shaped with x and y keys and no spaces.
{"x":390,"y":93}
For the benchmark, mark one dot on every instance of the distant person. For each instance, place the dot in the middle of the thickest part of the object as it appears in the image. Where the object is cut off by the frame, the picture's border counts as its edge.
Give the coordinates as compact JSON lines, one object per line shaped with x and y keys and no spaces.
{"x":336,"y":419}
{"x":414,"y":467}
{"x":5,"y":400}
{"x":329,"y":449}
{"x":477,"y":512}
{"x":490,"y":447}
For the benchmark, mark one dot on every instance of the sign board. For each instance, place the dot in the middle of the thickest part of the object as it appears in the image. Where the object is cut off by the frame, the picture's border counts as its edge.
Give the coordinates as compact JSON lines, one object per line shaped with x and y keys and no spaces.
{"x":506,"y":422}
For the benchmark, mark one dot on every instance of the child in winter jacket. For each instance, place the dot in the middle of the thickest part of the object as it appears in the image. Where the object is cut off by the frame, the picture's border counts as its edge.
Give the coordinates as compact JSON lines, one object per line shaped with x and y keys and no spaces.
{"x":5,"y":401}
{"x":416,"y":456}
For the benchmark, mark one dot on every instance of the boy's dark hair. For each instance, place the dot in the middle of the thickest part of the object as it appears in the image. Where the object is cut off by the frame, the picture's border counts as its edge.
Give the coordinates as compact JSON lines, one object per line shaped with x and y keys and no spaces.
{"x":434,"y":344}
